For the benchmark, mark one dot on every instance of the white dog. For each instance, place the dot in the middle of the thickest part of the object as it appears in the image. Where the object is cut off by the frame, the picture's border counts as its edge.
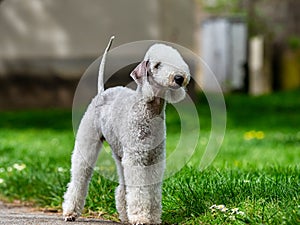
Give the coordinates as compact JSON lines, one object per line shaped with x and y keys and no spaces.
{"x":133,"y":123}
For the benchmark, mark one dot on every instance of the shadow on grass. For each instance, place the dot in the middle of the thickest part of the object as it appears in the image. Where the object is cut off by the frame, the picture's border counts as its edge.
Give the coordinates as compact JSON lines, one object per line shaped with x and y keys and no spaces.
{"x":38,"y":119}
{"x":279,"y":111}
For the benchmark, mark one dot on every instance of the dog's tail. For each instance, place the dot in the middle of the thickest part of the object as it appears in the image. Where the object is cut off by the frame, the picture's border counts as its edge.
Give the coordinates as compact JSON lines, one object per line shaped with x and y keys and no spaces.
{"x":102,"y":65}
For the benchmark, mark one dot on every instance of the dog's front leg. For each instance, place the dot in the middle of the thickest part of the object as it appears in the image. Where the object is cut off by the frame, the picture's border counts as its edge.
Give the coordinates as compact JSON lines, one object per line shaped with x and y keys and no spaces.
{"x":144,"y":204}
{"x":143,"y":192}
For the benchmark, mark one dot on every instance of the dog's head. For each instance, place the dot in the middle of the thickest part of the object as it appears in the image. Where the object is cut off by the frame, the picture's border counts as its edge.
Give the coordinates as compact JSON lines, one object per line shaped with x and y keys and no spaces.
{"x":163,"y":73}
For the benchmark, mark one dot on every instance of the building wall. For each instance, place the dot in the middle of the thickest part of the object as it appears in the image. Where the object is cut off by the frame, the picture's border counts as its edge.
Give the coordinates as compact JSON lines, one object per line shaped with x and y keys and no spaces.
{"x":72,"y":28}
{"x":50,"y":39}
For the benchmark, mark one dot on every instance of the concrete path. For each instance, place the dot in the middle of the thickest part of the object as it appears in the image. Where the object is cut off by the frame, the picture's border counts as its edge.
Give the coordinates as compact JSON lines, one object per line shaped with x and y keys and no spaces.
{"x":20,"y":215}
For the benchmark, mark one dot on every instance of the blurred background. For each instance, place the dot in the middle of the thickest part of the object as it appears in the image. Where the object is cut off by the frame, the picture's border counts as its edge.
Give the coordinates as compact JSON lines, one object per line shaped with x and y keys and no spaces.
{"x":252,"y":46}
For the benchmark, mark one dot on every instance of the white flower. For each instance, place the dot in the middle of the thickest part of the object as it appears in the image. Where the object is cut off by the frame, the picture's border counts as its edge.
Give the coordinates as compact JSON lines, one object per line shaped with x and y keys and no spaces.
{"x":2,"y":170}
{"x":241,"y":213}
{"x":1,"y":181}
{"x":9,"y":169}
{"x":213,"y":207}
{"x":230,"y":213}
{"x":61,"y":170}
{"x":232,"y":217}
{"x":19,"y":167}
{"x":234,"y":210}
{"x":222,"y":208}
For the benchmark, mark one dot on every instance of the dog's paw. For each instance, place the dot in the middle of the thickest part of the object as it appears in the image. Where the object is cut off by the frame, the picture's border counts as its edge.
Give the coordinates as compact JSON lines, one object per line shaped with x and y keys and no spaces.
{"x":146,"y":223}
{"x":70,"y":217}
{"x":143,"y":221}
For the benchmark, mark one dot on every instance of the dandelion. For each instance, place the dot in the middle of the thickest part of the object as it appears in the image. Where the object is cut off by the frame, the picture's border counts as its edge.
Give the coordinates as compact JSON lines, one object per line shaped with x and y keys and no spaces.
{"x":2,"y":170}
{"x":19,"y":167}
{"x":249,"y":135}
{"x":237,"y":163}
{"x":9,"y":169}
{"x":1,"y":181}
{"x":260,"y":135}
{"x":254,"y":135}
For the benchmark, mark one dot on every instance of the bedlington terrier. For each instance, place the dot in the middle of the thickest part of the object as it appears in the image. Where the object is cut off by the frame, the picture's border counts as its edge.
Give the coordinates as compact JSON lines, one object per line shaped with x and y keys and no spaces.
{"x":133,"y":123}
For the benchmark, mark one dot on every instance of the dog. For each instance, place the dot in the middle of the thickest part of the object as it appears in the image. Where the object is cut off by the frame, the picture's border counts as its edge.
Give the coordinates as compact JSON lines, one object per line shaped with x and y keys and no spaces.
{"x":133,"y":124}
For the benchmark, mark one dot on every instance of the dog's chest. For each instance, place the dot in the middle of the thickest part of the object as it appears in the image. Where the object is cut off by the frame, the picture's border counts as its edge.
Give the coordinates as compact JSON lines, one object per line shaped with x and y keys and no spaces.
{"x":147,"y":124}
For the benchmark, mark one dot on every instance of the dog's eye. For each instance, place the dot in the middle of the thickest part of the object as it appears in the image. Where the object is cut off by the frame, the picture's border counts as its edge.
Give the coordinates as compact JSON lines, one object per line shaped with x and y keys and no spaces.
{"x":157,"y":65}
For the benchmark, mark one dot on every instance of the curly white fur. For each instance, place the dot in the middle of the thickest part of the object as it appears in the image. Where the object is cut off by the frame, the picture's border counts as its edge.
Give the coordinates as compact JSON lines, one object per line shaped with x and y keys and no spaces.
{"x":133,"y":123}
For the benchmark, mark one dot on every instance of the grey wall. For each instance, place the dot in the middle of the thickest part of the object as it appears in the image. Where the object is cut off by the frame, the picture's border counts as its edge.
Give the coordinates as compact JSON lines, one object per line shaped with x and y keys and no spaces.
{"x":68,"y":29}
{"x":46,"y":45}
{"x":72,"y":28}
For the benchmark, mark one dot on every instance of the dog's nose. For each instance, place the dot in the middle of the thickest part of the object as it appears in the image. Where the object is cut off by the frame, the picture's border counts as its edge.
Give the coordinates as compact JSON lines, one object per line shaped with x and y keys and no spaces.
{"x":179,"y":79}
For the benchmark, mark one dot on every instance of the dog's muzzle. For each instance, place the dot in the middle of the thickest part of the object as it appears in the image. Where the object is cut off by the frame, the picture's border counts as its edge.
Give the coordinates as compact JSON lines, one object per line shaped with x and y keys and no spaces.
{"x":179,"y":79}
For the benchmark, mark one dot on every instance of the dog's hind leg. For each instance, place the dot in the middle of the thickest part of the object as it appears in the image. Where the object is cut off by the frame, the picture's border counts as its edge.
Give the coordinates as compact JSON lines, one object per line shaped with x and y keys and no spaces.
{"x":85,"y":154}
{"x":121,"y":192}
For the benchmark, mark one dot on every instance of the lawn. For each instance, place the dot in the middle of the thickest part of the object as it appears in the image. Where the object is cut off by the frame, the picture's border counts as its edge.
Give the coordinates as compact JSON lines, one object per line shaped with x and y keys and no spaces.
{"x":255,"y":179}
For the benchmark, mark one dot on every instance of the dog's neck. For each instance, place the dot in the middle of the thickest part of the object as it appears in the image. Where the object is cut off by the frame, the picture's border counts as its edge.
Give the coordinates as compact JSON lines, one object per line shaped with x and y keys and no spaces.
{"x":157,"y":105}
{"x":153,"y":98}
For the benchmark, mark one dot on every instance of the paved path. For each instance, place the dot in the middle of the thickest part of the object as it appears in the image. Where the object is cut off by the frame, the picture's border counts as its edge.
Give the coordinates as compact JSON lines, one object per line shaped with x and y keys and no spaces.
{"x":20,"y":215}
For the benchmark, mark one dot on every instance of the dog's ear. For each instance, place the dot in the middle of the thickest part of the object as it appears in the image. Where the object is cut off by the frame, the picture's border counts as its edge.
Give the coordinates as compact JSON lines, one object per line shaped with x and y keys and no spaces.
{"x":140,"y":72}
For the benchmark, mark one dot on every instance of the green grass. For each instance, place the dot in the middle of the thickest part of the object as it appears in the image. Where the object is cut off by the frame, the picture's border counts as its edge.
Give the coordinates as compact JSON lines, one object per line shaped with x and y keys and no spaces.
{"x":257,"y":169}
